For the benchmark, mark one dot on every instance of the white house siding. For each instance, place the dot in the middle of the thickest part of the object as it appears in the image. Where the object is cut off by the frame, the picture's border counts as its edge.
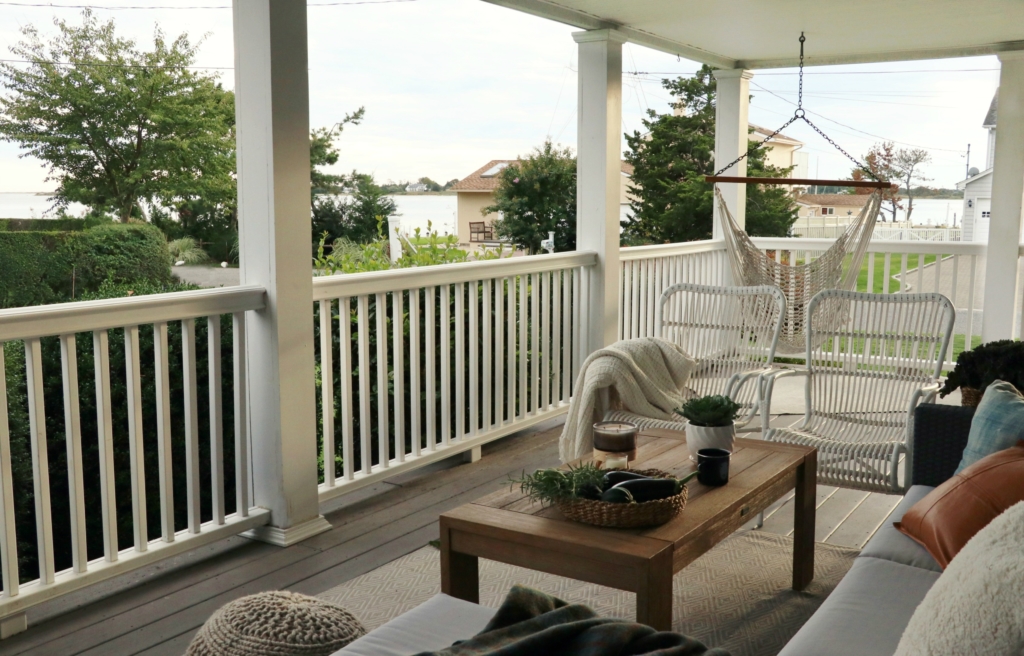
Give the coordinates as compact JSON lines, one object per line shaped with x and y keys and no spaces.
{"x":975,"y":228}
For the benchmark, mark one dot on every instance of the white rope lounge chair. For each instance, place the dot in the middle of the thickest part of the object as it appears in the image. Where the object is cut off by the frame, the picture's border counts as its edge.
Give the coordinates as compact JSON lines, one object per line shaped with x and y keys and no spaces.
{"x":877,"y":357}
{"x":732,"y":332}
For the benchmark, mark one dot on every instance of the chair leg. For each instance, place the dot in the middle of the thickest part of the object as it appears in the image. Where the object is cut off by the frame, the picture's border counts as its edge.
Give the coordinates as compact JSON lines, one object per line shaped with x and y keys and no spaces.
{"x":760,"y":520}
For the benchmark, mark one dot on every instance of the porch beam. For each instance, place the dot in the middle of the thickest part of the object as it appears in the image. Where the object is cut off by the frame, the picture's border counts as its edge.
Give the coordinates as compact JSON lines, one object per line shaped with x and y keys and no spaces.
{"x":1007,"y":190}
{"x":732,"y":108}
{"x":598,"y":166}
{"x":272,"y":112}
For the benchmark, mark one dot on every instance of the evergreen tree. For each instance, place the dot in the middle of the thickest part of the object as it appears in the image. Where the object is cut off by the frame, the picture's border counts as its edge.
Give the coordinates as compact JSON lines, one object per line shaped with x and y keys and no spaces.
{"x":672,"y":201}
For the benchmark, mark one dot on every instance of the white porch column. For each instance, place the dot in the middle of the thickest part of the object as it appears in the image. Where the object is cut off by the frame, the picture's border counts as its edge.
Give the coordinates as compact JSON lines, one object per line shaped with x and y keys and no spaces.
{"x":599,"y":167}
{"x":1007,"y":191}
{"x":731,"y":110}
{"x":272,"y":112}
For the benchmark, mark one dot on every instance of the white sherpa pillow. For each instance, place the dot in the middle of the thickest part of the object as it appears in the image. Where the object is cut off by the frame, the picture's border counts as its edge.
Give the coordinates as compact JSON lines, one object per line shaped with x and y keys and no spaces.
{"x":976,"y":605}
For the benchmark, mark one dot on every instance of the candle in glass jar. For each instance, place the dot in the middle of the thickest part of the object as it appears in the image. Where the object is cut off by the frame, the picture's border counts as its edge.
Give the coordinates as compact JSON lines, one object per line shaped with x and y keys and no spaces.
{"x":616,"y":461}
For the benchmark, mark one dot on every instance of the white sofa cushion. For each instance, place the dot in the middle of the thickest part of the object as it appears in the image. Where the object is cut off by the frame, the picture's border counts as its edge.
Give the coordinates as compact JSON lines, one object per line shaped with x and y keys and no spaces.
{"x":977,"y":605}
{"x":431,"y":626}
{"x":890,"y":544}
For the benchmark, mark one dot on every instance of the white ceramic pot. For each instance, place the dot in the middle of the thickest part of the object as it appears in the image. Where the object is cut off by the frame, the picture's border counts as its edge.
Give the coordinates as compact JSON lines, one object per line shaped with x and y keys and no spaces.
{"x":709,"y":437}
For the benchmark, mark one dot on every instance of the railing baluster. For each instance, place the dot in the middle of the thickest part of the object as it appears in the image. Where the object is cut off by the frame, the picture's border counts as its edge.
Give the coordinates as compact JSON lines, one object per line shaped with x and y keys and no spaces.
{"x":136,"y":449}
{"x":414,"y":370}
{"x":446,"y":365}
{"x":40,"y":463}
{"x":398,"y":353}
{"x":241,"y":415}
{"x":216,"y":418}
{"x":556,"y":337}
{"x":163,"y":429}
{"x":473,"y":343}
{"x":567,"y":324}
{"x":487,"y":348}
{"x":363,"y":328}
{"x":535,"y":350}
{"x":545,"y":345}
{"x":430,"y":328}
{"x":8,"y":535}
{"x":499,"y":351}
{"x":73,"y":437}
{"x":327,"y":389}
{"x":524,"y":349}
{"x":345,"y":375}
{"x":460,"y":361}
{"x":383,"y":433}
{"x":191,"y":382}
{"x":969,"y":337}
{"x":105,"y":443}
{"x":511,"y":301}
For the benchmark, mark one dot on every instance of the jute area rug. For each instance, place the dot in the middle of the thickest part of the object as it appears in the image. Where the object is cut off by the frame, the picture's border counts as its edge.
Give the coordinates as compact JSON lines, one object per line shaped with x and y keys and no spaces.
{"x":737,"y":596}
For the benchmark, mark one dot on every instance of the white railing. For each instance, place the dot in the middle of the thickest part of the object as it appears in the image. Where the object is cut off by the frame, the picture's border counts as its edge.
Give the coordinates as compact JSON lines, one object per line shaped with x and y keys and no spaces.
{"x":953,"y":269}
{"x":648,"y":270}
{"x":122,"y":432}
{"x":882,"y":233}
{"x":420,"y":364}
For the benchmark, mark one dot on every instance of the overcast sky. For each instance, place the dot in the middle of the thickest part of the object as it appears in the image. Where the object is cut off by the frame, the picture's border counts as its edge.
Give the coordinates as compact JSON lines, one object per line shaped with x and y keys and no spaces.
{"x":451,"y":84}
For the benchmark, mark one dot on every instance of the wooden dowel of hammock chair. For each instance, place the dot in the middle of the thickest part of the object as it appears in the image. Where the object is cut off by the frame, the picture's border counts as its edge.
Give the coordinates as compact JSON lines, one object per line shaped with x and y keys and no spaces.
{"x":869,"y":184}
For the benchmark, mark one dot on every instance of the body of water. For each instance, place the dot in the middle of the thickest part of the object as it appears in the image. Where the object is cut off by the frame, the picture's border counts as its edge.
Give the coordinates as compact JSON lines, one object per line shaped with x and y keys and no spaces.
{"x":441,"y":211}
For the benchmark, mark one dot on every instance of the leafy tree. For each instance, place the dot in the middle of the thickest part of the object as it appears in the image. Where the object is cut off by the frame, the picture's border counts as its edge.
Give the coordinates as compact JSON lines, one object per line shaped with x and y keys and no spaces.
{"x":324,"y":152}
{"x":357,"y":219}
{"x":908,"y":171}
{"x":881,"y":162}
{"x":119,"y":126}
{"x":431,"y":185}
{"x":448,"y":185}
{"x":537,"y":195}
{"x":672,"y":201}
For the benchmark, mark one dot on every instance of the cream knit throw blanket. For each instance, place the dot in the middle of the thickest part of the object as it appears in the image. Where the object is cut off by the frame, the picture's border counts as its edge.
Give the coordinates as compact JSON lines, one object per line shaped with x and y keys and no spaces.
{"x":648,"y":374}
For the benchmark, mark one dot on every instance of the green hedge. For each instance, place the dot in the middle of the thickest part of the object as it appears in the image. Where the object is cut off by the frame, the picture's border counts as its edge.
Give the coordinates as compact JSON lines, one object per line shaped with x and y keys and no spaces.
{"x":52,"y":267}
{"x":44,"y":225}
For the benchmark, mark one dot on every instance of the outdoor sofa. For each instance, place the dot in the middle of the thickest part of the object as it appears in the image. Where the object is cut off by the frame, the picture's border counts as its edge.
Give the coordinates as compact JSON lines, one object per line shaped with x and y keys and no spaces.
{"x":865,"y":615}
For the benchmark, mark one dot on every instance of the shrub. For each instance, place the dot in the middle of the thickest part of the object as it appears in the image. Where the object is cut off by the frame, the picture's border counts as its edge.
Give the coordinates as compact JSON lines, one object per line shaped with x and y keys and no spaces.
{"x":51,"y":267}
{"x":714,"y":410}
{"x":980,"y":367}
{"x":187,"y":250}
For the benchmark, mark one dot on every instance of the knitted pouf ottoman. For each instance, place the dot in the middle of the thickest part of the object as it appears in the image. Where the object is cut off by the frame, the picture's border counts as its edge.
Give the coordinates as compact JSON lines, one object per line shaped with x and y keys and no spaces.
{"x":276,"y":624}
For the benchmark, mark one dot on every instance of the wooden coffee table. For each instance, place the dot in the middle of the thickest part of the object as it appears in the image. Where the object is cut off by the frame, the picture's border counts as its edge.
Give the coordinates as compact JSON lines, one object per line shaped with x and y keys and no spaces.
{"x":509,"y":528}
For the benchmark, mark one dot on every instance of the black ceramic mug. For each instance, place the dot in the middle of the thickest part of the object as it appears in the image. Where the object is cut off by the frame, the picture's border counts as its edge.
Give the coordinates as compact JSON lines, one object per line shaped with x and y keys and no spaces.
{"x":713,"y":466}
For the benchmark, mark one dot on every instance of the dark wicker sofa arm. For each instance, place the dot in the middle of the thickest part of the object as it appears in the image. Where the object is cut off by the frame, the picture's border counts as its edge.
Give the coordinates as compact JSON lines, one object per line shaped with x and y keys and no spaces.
{"x":940,"y":435}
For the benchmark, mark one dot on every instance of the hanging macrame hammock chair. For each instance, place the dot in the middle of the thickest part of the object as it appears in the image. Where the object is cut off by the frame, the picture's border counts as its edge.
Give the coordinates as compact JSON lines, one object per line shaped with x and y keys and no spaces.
{"x":836,"y":268}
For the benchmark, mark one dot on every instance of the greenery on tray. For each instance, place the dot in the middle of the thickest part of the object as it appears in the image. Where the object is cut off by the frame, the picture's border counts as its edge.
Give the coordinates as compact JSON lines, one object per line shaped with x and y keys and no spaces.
{"x":978,"y":368}
{"x":549,"y":486}
{"x":714,"y":410}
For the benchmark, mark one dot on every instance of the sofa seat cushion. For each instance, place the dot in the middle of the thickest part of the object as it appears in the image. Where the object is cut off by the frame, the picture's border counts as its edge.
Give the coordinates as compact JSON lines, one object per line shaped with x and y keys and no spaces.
{"x":431,"y":626}
{"x":867,"y":612}
{"x":889,"y":544}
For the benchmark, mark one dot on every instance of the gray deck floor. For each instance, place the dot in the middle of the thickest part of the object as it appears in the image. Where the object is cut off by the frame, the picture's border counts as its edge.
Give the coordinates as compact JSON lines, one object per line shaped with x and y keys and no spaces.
{"x":166,"y":604}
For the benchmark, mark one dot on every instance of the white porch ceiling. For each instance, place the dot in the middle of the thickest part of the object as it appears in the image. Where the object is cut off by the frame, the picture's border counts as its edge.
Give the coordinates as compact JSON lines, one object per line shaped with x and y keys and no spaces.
{"x":763,"y":34}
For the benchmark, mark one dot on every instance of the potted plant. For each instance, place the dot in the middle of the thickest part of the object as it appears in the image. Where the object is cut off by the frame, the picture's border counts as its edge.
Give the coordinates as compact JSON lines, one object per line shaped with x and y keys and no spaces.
{"x":977,"y":369}
{"x":710,"y":423}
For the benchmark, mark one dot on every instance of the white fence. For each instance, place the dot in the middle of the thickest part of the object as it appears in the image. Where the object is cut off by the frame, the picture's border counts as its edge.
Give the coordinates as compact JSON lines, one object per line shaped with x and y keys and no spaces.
{"x":882,"y":232}
{"x":420,"y":364}
{"x":124,"y":447}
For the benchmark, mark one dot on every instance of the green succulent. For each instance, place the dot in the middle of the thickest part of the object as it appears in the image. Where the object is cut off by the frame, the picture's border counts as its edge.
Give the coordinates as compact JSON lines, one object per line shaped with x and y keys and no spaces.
{"x":714,"y":410}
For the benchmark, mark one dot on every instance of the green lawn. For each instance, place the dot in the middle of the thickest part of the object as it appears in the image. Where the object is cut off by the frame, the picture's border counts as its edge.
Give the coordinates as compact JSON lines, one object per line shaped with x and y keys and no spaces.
{"x":895,"y":266}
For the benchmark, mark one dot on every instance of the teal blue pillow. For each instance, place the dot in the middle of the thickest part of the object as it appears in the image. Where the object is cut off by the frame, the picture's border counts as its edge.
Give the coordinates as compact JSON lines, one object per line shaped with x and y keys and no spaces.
{"x":998,"y":423}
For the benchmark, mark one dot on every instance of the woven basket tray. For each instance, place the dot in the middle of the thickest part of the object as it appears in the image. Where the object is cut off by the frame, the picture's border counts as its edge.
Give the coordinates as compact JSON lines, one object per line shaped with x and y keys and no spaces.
{"x":970,"y":397}
{"x":626,"y":515}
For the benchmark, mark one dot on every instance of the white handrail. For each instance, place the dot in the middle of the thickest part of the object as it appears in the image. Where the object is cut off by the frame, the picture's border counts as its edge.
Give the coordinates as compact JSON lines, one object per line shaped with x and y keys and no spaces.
{"x":392,"y":280}
{"x":665,"y":250}
{"x":877,"y":246}
{"x":86,"y":316}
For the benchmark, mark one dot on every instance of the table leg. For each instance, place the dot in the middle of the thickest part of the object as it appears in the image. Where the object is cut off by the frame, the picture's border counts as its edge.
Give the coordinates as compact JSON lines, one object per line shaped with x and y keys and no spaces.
{"x":654,"y":592}
{"x":803,"y":521}
{"x":460,"y":573}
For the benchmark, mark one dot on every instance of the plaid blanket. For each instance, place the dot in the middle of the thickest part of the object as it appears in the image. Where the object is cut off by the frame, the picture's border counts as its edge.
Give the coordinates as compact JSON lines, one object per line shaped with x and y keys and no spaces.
{"x":532,"y":623}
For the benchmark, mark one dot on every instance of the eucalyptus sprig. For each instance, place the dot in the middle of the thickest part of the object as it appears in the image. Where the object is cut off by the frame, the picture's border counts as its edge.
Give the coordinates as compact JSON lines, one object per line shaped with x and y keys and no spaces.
{"x":549,"y":486}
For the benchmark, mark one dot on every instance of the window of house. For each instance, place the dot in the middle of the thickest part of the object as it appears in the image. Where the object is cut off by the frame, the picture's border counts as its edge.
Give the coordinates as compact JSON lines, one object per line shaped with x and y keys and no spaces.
{"x":828,"y":211}
{"x":480,"y":231}
{"x":986,"y":214}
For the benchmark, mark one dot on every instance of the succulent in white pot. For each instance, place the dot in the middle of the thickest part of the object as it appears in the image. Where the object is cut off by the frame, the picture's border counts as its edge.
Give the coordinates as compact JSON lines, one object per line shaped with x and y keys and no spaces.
{"x":710,"y":423}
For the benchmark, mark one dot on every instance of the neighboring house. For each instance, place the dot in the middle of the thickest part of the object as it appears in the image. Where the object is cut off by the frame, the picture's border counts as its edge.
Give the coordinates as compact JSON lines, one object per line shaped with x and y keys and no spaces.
{"x":416,"y":186}
{"x":476,"y":191}
{"x":823,"y":210}
{"x":978,"y":187}
{"x":782,"y":151}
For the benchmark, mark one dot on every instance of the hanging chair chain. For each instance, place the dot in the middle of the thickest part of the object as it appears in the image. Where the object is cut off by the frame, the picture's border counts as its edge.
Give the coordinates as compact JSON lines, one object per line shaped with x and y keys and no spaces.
{"x":801,"y":115}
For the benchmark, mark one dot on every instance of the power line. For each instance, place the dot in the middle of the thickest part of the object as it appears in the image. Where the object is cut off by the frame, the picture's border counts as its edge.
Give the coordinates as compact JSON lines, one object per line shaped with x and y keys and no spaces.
{"x":38,"y":5}
{"x":850,"y":127}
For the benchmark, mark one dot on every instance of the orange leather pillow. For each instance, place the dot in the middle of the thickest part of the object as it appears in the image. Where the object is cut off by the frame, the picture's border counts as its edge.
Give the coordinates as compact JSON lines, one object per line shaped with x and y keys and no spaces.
{"x":952,"y":513}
